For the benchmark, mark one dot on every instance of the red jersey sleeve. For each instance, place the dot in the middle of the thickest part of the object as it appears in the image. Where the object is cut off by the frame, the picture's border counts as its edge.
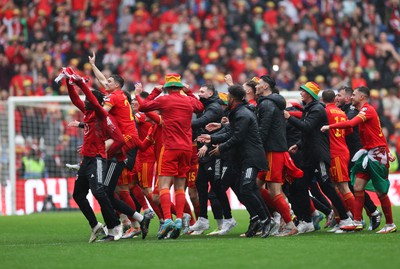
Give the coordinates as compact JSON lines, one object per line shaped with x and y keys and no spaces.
{"x":154,"y":117}
{"x":347,"y":124}
{"x":151,"y":105}
{"x":75,"y":99}
{"x":296,"y":114}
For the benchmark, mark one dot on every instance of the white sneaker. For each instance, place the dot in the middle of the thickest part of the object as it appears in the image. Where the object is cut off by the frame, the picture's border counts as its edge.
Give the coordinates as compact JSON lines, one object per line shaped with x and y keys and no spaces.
{"x":277,"y":217}
{"x":220,"y":222}
{"x":201,"y":224}
{"x":185,"y":223}
{"x":289,"y":229}
{"x":116,"y":232}
{"x":334,"y":229}
{"x":96,"y":231}
{"x":340,"y":231}
{"x":215,"y":232}
{"x":131,"y":233}
{"x":227,"y":226}
{"x":347,"y":224}
{"x":388,"y":228}
{"x":199,"y":232}
{"x":305,"y":227}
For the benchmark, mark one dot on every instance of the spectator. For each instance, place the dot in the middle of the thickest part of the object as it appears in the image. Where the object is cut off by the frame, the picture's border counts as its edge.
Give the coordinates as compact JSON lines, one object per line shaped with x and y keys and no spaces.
{"x":33,"y":166}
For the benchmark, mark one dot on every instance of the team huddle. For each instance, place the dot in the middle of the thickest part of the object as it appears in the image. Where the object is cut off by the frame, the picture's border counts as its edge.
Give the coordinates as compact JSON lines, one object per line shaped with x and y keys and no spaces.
{"x":288,"y":163}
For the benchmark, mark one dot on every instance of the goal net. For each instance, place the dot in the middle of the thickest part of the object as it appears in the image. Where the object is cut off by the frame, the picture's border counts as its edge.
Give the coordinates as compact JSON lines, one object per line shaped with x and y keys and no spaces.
{"x":36,"y":143}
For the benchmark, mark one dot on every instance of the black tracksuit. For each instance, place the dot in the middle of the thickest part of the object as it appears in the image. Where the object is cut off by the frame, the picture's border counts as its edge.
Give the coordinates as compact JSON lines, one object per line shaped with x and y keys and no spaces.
{"x":243,"y":141}
{"x":213,"y":112}
{"x":316,"y":157}
{"x":271,"y":123}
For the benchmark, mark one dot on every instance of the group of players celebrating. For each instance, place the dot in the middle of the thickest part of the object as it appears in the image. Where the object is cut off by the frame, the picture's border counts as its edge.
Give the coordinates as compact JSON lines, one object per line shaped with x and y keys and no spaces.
{"x":285,"y":161}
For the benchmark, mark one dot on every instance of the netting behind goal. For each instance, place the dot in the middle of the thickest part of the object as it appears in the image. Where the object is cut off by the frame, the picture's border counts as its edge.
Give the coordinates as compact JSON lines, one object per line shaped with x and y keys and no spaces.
{"x":36,"y":143}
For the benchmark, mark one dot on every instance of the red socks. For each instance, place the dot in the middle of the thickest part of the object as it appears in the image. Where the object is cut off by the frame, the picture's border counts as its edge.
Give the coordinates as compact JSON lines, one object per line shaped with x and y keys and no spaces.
{"x":126,"y":197}
{"x":180,"y":201}
{"x":139,"y":196}
{"x":165,"y":200}
{"x":282,"y":207}
{"x":267,"y":199}
{"x":358,"y":204}
{"x":386,"y":208}
{"x":349,"y":201}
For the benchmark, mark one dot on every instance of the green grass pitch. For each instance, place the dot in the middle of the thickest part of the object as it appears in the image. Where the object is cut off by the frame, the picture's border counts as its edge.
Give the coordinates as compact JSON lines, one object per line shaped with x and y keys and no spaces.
{"x":59,"y":240}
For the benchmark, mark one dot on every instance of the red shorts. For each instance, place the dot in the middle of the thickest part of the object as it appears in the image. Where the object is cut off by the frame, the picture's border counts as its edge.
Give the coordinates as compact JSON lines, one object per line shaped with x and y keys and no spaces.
{"x":125,"y":178}
{"x":194,"y":167}
{"x":137,"y":168}
{"x":191,"y":179}
{"x":364,"y":176}
{"x":276,"y":163}
{"x":146,"y":175}
{"x":339,"y":169}
{"x":174,"y":163}
{"x":156,"y":190}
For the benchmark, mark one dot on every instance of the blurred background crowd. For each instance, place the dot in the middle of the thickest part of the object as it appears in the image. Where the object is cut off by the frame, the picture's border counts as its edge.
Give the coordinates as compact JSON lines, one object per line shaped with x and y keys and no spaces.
{"x":334,"y":43}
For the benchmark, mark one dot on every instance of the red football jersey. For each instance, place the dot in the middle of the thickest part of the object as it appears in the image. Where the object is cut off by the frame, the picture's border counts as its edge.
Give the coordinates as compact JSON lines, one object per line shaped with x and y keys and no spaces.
{"x":176,"y":110}
{"x":120,"y":108}
{"x":94,"y":136}
{"x":143,"y":129}
{"x":98,"y":126}
{"x":338,"y":146}
{"x":370,"y":129}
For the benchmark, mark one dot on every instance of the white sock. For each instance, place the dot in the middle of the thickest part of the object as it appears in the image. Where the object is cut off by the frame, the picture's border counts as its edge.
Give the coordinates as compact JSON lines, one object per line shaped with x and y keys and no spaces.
{"x":138,"y":217}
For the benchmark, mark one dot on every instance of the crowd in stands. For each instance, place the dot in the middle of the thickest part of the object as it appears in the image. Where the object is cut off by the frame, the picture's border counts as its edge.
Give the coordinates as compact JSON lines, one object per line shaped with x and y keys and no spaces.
{"x":334,"y":43}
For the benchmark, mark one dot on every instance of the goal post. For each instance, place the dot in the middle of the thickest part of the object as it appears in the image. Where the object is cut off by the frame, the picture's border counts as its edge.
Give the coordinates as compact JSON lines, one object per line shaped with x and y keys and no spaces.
{"x":37,"y":152}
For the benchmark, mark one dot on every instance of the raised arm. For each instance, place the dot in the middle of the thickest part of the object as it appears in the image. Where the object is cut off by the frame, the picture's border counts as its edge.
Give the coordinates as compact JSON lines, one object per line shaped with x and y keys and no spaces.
{"x":97,"y":73}
{"x":75,"y":99}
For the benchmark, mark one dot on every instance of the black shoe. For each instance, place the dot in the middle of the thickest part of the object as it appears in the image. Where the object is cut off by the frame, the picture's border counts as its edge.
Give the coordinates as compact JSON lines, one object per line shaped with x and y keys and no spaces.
{"x":254,"y":227}
{"x":269,"y":227}
{"x":375,"y":221}
{"x":144,"y":226}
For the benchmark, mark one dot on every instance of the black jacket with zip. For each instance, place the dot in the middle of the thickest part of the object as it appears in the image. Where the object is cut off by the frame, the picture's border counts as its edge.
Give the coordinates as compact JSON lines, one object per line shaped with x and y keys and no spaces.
{"x":243,"y":139}
{"x":314,"y":143}
{"x":271,"y":122}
